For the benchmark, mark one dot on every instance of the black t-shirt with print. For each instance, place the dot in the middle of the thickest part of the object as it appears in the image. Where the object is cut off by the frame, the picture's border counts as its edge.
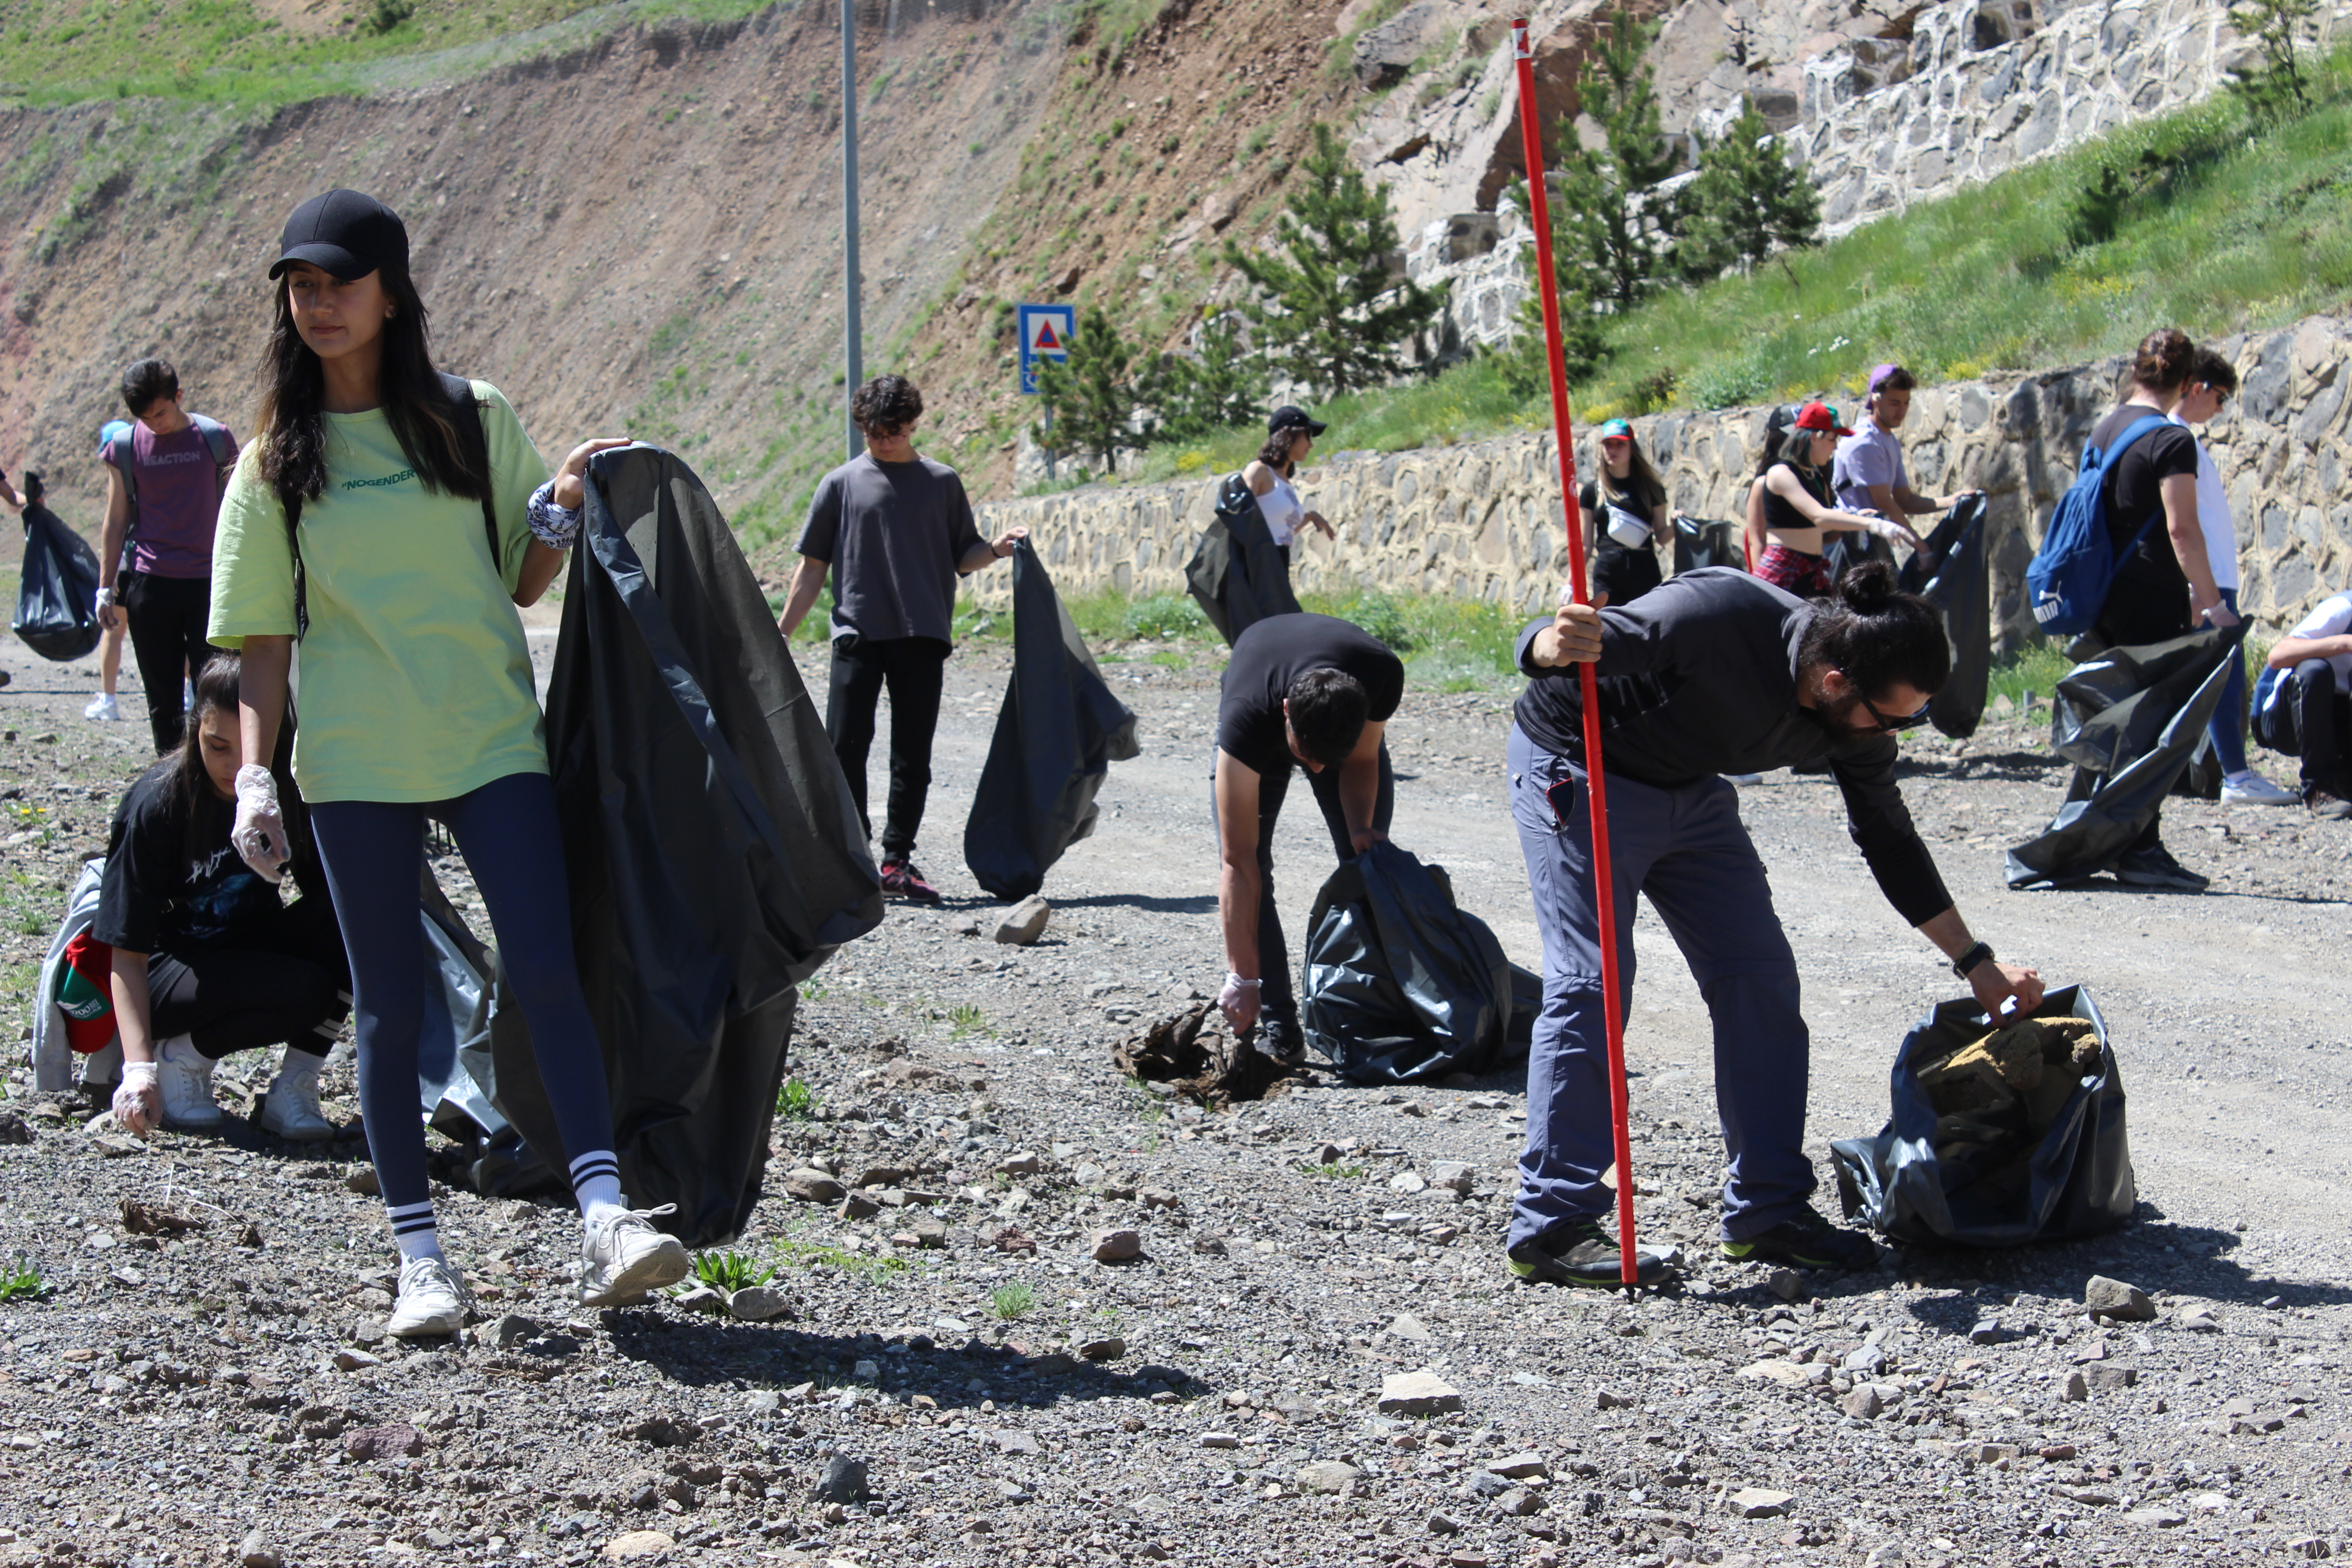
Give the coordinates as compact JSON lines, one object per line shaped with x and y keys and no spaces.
{"x":159,"y":897}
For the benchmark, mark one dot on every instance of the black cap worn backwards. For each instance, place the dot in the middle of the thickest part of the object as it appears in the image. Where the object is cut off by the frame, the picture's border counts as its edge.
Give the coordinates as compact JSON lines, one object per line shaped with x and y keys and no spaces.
{"x":1290,"y":417}
{"x":345,"y":233}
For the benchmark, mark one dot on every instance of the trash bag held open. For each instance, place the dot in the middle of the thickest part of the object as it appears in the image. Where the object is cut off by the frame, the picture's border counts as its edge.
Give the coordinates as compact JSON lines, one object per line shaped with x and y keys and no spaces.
{"x":2000,"y":1136}
{"x":1397,"y":982}
{"x":1239,"y":575}
{"x":56,"y":595}
{"x":716,"y":859}
{"x":1058,"y":733}
{"x":2131,"y":718}
{"x":1951,"y":574}
{"x":1702,"y":542}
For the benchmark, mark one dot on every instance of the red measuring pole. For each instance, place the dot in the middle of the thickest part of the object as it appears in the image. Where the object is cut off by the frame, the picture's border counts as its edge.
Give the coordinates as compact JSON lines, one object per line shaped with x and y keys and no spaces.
{"x":1612,"y":1015}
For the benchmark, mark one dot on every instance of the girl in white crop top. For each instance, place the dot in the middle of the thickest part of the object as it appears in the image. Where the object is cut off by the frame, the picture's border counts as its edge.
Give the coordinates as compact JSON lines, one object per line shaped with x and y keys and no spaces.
{"x":1290,"y":435}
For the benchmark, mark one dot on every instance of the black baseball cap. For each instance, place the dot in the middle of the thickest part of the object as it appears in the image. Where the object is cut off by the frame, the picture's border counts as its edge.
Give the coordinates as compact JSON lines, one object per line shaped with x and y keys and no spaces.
{"x":347,"y":232}
{"x":1290,"y":417}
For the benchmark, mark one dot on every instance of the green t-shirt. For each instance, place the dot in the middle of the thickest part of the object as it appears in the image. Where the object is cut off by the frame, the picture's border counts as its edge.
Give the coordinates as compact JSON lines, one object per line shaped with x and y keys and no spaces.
{"x":415,"y":679}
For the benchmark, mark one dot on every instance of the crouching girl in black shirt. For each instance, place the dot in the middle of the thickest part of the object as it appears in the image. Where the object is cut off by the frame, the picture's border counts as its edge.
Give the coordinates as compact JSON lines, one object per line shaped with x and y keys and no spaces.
{"x":207,"y":959}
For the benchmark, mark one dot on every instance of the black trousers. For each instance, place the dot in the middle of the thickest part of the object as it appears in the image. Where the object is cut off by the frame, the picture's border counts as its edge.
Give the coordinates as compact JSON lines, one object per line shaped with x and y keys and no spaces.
{"x":288,"y":983}
{"x":1279,"y":993}
{"x":914,"y":669}
{"x":167,"y":632}
{"x":2145,"y":604}
{"x":2311,"y":718}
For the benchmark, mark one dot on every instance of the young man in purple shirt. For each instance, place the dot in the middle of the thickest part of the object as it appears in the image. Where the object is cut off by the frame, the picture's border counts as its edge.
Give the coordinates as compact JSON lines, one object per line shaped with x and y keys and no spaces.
{"x":162,"y":497}
{"x":1868,"y":473}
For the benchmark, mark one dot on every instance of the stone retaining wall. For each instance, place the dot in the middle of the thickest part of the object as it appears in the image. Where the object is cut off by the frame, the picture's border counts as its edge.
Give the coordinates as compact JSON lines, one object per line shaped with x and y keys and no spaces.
{"x":1483,"y":520}
{"x":1986,"y":85}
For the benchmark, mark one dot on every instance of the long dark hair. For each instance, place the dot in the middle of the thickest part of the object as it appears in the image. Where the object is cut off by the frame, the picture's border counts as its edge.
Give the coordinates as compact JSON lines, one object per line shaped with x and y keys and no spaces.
{"x":1276,"y":453}
{"x":1642,"y":480}
{"x":187,"y":782}
{"x":2163,"y":361}
{"x":1879,"y":635}
{"x":292,"y":416}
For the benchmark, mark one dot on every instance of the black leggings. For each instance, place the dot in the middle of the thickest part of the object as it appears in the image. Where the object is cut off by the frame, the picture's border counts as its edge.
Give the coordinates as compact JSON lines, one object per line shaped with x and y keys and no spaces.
{"x":914,"y":669}
{"x":2311,"y":718}
{"x":1277,"y":994}
{"x":286,"y":983}
{"x":167,"y":638}
{"x":374,"y":854}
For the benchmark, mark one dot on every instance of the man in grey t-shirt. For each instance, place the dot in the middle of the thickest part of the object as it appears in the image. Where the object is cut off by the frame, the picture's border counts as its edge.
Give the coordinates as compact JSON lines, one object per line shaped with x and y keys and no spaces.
{"x":1868,"y":472}
{"x":896,"y":531}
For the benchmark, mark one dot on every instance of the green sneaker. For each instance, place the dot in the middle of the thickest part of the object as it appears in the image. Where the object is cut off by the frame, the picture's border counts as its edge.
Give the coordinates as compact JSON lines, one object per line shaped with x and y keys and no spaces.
{"x":1581,"y":1253}
{"x":1806,"y":1241}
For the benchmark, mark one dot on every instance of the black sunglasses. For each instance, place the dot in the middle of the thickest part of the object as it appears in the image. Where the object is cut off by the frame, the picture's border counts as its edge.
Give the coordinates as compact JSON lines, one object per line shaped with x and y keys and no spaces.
{"x":1888,"y":726}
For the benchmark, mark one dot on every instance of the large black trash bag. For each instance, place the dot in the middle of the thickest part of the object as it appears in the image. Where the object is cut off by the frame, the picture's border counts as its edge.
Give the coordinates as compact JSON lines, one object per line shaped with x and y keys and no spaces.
{"x":2077,"y":1180}
{"x":57,"y":597}
{"x":1056,"y":736}
{"x":1700,"y":542}
{"x":2134,"y":717}
{"x":1952,"y":575}
{"x":716,"y":859}
{"x":1397,"y":981}
{"x":1237,"y":572}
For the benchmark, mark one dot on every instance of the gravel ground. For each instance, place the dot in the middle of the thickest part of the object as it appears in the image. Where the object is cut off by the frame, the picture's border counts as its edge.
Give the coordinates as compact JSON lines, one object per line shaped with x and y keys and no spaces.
{"x":224,"y":1392}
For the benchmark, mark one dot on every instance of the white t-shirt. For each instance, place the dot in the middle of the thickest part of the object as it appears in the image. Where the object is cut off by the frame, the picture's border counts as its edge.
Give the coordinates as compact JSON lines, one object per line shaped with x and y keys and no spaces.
{"x":2332,"y":619}
{"x":1282,"y":510}
{"x":2213,"y":516}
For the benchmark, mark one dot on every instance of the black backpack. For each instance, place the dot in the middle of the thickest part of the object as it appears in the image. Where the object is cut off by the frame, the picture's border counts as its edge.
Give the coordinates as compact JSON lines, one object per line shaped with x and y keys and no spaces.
{"x":475,"y":434}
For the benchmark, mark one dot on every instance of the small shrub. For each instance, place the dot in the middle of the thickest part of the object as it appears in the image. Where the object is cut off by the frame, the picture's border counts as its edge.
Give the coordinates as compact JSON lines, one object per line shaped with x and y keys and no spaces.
{"x":794,"y":1101}
{"x":1010,"y":1302}
{"x":966,"y":1018}
{"x":730,"y":1270}
{"x":386,"y":15}
{"x":22,"y":1282}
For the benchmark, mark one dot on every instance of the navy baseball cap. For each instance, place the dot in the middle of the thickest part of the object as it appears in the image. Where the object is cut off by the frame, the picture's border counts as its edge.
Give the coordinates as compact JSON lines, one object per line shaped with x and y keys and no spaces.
{"x":1290,"y":417}
{"x":346,"y":233}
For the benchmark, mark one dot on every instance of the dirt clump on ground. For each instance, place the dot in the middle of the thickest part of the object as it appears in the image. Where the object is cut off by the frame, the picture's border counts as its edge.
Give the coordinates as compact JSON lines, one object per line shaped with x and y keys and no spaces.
{"x":1195,"y":1053}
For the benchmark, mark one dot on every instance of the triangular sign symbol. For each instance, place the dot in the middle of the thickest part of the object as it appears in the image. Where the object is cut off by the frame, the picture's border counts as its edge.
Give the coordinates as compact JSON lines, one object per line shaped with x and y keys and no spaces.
{"x":1045,"y":338}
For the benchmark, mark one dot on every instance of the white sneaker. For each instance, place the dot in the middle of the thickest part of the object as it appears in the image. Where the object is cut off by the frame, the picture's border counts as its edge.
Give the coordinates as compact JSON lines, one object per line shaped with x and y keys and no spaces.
{"x":291,"y":1109}
{"x":433,"y":1300}
{"x":186,"y":1080}
{"x":101,"y":708}
{"x":2249,"y":789}
{"x":1748,"y":779}
{"x":623,"y":1256}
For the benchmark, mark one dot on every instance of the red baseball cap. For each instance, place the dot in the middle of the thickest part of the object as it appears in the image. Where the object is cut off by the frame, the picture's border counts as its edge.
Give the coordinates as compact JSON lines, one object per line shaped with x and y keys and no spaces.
{"x":1821,"y":417}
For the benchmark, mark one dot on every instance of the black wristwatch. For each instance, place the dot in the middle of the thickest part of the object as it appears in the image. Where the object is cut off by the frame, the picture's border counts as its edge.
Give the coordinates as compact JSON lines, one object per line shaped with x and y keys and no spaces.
{"x":1968,"y":961}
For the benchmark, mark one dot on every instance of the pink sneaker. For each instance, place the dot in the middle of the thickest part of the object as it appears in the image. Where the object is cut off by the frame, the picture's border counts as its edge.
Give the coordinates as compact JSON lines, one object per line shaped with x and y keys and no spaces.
{"x":902,"y":880}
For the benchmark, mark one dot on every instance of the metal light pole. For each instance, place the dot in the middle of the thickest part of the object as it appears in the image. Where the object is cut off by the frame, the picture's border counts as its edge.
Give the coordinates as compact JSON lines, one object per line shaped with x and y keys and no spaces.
{"x":852,"y":354}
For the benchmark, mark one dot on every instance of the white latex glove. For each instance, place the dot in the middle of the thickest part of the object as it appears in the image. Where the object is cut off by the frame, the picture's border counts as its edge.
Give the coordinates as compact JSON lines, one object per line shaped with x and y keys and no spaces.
{"x":259,"y":835}
{"x":1238,"y":1001}
{"x":137,"y":1101}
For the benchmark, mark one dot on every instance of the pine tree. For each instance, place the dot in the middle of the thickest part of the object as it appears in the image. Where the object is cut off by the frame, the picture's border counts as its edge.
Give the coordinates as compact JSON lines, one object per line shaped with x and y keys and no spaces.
{"x":1748,"y":201}
{"x":1613,"y":232}
{"x":1330,"y":311}
{"x":2276,"y":89}
{"x":1583,"y":351}
{"x":1091,"y":398}
{"x":1218,"y":390}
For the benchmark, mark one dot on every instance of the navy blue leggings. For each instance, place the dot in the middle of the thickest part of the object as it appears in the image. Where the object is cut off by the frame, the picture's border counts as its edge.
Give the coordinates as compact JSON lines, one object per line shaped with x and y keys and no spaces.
{"x":374,"y":856}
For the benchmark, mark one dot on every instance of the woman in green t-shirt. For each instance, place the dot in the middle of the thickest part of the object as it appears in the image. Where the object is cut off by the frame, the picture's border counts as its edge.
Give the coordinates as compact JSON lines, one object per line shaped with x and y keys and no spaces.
{"x":392,"y":519}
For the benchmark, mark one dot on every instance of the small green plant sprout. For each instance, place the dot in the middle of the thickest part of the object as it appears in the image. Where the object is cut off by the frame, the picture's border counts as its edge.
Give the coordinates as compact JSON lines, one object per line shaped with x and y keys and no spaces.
{"x":1010,"y":1301}
{"x":966,"y":1018}
{"x":1337,"y":1172}
{"x":794,"y":1101}
{"x":22,"y":1282}
{"x":730,"y":1270}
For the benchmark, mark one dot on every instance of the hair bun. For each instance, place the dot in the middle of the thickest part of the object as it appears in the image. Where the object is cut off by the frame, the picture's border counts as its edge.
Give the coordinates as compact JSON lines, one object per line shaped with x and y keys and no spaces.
{"x":1868,"y":588}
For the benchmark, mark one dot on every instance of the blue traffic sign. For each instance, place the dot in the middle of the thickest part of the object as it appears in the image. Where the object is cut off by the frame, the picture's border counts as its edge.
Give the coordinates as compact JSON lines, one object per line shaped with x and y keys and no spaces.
{"x":1044,"y":334}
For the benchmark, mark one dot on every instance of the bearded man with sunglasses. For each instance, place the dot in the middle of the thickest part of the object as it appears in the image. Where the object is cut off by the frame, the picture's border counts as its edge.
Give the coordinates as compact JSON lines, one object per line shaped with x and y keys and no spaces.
{"x":1715,"y":672}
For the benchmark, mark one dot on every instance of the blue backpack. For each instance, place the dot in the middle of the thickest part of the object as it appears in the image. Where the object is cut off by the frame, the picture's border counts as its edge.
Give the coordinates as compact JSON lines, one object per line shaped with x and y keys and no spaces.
{"x":2067,"y":584}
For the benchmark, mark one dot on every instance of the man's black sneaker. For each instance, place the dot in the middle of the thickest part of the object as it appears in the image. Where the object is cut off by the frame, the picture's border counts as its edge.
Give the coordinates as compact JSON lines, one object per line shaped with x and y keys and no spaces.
{"x":1582,"y":1253}
{"x":1808,"y":1241}
{"x":2155,"y":868}
{"x":1280,"y":1038}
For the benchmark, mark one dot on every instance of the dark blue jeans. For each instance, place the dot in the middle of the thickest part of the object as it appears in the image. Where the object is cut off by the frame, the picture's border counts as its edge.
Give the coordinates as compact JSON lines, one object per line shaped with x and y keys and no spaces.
{"x":2228,"y":727}
{"x":1686,"y":849}
{"x":374,"y":856}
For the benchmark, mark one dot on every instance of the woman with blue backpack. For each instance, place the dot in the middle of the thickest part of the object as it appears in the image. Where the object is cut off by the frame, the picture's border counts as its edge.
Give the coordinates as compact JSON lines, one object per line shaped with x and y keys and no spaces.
{"x":2163,"y":585}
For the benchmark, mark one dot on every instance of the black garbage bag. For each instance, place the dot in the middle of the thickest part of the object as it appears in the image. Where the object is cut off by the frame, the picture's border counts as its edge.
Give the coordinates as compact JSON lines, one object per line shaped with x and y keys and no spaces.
{"x":56,"y":595}
{"x":1850,"y":548}
{"x":715,"y":857}
{"x":1703,"y":542}
{"x":1056,"y":736}
{"x":1952,"y":575}
{"x":1397,"y":981}
{"x":1238,"y":572}
{"x":1975,"y":1178}
{"x":2131,"y":718}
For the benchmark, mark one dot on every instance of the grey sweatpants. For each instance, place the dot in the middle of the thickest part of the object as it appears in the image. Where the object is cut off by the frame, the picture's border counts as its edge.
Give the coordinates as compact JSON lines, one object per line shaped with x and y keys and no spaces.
{"x":1686,"y":849}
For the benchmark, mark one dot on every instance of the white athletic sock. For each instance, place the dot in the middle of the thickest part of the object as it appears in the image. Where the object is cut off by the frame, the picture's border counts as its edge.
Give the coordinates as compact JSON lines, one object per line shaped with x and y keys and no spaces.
{"x":299,"y":1066}
{"x":596,"y":1183}
{"x":413,"y":1230}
